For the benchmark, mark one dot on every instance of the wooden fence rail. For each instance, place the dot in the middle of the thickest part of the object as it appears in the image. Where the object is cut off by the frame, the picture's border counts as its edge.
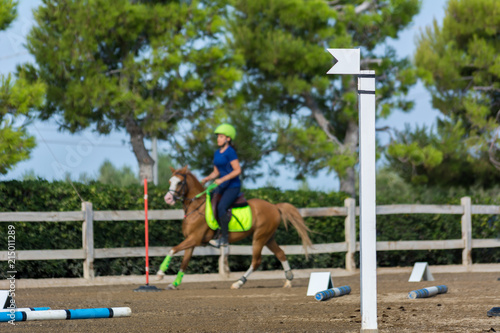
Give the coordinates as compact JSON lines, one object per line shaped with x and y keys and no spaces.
{"x":88,"y":253}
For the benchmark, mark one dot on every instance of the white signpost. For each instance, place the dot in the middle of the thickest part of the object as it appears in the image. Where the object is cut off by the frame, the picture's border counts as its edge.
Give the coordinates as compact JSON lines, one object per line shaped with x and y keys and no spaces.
{"x":319,"y":281}
{"x":421,"y":272}
{"x":348,"y":62}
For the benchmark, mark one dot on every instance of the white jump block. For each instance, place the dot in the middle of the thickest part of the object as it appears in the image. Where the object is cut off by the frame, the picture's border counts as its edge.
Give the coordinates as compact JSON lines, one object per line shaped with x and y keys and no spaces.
{"x":319,"y":281}
{"x":4,"y":298}
{"x":421,"y":272}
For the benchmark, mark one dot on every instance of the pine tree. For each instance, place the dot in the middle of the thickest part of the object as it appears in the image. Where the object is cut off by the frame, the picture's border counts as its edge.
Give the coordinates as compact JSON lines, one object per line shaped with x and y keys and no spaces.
{"x":18,"y":98}
{"x":316,"y":116}
{"x":142,"y":66}
{"x":459,"y":65}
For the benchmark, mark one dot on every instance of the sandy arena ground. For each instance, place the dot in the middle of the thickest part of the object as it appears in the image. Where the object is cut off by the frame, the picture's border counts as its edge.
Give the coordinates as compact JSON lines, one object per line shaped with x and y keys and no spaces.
{"x":263,"y":306}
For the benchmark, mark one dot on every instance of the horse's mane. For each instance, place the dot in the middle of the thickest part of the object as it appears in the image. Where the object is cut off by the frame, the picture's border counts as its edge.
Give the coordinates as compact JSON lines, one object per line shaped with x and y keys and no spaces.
{"x":189,"y":174}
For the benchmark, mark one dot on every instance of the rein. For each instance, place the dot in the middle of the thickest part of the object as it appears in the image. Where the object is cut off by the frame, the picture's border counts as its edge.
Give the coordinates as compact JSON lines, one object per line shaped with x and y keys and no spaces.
{"x":186,"y":214}
{"x":181,"y":195}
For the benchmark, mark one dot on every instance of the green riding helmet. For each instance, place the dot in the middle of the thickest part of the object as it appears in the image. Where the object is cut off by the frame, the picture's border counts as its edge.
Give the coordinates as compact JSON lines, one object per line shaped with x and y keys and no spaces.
{"x":227,"y":130}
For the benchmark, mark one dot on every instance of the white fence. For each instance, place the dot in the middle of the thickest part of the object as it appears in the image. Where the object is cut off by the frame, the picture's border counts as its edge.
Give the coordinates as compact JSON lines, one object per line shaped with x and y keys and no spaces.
{"x":88,"y":253}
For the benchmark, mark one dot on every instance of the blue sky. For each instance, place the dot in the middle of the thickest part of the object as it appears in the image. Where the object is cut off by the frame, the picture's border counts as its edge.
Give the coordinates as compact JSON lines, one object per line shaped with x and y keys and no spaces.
{"x":57,"y":153}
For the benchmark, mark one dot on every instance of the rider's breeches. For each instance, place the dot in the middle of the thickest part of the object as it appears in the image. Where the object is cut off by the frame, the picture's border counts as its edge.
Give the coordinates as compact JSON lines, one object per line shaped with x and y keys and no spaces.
{"x":228,"y":197}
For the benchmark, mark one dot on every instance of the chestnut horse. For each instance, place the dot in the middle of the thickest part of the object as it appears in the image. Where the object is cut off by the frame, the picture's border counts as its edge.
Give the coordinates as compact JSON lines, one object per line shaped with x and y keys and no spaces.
{"x":266,"y":218}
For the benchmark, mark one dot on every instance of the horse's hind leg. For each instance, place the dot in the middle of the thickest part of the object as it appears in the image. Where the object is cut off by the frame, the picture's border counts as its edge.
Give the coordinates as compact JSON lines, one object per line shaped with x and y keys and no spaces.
{"x":280,"y":254}
{"x":256,"y":260}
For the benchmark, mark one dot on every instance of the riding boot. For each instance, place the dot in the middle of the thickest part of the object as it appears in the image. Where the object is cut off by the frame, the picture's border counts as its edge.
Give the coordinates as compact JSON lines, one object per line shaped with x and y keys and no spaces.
{"x":223,"y":240}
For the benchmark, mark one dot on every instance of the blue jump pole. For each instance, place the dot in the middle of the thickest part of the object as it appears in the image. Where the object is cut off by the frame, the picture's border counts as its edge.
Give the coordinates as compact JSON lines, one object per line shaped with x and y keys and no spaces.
{"x":332,"y":292}
{"x":66,"y":314}
{"x":427,"y":292}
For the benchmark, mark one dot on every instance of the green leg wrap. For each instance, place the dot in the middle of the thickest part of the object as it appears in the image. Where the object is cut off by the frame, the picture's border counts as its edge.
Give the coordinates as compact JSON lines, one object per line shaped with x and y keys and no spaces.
{"x":165,"y":263}
{"x":178,"y":279}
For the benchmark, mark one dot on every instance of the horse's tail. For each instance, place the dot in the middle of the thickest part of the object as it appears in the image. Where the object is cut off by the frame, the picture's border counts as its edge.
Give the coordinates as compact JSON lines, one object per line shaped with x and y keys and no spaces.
{"x":291,"y":214}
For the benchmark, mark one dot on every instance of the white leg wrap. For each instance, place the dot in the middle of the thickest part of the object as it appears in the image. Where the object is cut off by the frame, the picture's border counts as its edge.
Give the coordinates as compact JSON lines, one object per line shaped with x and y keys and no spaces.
{"x":286,"y":265}
{"x":288,"y":271}
{"x":248,"y":272}
{"x":171,"y":253}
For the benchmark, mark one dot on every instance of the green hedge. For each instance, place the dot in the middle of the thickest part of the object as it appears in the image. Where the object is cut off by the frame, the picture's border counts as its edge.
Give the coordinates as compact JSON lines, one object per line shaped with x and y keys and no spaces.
{"x":41,"y":195}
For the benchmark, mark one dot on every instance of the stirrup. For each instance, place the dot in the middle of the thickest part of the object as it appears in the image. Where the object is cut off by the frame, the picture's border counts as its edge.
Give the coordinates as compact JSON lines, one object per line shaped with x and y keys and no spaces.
{"x":217,"y":243}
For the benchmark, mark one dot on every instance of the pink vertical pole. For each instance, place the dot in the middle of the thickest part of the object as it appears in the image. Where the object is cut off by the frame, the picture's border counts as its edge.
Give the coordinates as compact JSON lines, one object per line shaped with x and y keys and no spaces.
{"x":147,"y":231}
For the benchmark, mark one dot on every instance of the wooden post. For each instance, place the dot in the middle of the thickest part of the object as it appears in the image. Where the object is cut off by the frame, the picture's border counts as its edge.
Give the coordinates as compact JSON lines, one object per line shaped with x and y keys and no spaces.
{"x":350,"y":233}
{"x":88,"y":240}
{"x":467,"y":231}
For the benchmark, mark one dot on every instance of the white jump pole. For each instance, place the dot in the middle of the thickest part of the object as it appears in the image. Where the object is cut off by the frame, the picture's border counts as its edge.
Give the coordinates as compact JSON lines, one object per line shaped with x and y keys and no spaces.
{"x":348,"y":62}
{"x":24,"y":309}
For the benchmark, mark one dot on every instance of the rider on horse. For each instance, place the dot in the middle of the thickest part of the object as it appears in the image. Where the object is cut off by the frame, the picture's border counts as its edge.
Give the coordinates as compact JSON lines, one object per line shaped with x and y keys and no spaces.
{"x":227,"y":167}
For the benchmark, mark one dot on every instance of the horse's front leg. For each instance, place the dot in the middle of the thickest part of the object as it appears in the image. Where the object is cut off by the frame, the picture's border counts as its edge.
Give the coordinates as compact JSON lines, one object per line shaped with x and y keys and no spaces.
{"x":188,"y":253}
{"x":188,"y":244}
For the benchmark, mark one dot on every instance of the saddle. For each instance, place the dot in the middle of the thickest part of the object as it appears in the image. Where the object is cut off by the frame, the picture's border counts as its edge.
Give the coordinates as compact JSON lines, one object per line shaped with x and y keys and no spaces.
{"x":241,"y":213}
{"x":238,"y":203}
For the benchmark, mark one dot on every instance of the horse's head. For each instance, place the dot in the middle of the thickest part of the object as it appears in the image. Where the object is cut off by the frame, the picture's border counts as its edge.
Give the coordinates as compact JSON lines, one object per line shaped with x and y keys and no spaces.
{"x":178,"y":186}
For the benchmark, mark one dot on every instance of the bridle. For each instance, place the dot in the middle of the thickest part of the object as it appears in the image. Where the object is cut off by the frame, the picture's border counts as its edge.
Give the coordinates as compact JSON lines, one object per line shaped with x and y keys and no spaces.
{"x":181,"y":195}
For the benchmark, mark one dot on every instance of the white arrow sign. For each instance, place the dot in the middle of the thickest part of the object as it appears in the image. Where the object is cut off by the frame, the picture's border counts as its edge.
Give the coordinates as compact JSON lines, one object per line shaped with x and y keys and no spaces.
{"x":347,"y":61}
